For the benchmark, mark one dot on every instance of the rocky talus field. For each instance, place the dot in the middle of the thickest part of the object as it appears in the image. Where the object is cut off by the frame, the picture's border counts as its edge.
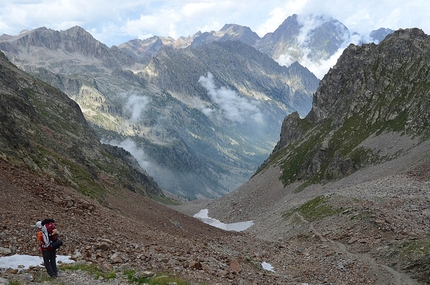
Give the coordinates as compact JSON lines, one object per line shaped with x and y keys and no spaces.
{"x":374,"y":230}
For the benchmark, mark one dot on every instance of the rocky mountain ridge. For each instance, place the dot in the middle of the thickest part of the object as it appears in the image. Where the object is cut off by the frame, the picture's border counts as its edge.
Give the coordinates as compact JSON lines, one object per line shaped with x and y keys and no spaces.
{"x":142,"y":94}
{"x":353,"y":174}
{"x":182,"y":112}
{"x":306,"y":39}
{"x":370,"y":227}
{"x":44,"y":131}
{"x":393,"y":76}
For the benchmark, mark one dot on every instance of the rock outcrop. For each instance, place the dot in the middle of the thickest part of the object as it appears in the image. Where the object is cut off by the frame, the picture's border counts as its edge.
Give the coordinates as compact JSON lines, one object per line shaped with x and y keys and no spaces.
{"x":373,"y":90}
{"x":44,"y":131}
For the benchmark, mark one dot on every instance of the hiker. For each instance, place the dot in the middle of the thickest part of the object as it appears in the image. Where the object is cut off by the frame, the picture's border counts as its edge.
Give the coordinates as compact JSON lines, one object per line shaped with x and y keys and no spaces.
{"x":39,"y":236}
{"x":48,"y":252}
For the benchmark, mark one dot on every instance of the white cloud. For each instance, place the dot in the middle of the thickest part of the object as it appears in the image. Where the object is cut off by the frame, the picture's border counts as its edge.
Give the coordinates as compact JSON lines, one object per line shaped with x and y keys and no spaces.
{"x":365,"y":16}
{"x":129,"y":145}
{"x":308,"y":23}
{"x":114,"y":22}
{"x":135,"y":105}
{"x":319,"y":69}
{"x":233,"y":107}
{"x":278,"y":15}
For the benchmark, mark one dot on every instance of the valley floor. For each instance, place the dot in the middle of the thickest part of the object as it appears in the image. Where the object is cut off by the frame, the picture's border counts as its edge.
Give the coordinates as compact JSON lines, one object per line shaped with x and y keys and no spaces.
{"x":374,"y":231}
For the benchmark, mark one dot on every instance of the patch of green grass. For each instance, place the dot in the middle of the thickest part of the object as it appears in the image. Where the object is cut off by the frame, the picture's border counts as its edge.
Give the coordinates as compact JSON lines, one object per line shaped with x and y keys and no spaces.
{"x":315,"y":209}
{"x":43,"y":277}
{"x":162,"y":279}
{"x":297,"y":158}
{"x":131,"y":274}
{"x":414,"y":249}
{"x":302,"y":186}
{"x":91,"y":269}
{"x":165,"y":200}
{"x":413,"y":256}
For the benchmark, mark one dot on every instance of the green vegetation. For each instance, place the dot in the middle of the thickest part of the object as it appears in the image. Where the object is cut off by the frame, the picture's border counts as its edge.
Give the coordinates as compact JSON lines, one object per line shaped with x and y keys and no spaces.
{"x":162,"y":279}
{"x":79,"y":176}
{"x":413,"y":249}
{"x":315,"y":209}
{"x":414,"y":257}
{"x":132,"y":275}
{"x":165,"y":200}
{"x":300,"y":154}
{"x":91,"y":269}
{"x":302,"y":186}
{"x":386,"y":98}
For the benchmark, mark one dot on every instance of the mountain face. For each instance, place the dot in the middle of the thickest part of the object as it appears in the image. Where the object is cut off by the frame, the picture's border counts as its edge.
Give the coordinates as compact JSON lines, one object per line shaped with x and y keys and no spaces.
{"x":380,"y":34}
{"x":353,"y":175}
{"x":308,"y":40}
{"x":44,"y":131}
{"x":320,"y":35}
{"x":314,"y":41}
{"x":393,"y":76}
{"x":229,"y":32}
{"x":189,"y":105}
{"x":346,"y":187}
{"x":199,"y":119}
{"x":51,"y":161}
{"x":44,"y":40}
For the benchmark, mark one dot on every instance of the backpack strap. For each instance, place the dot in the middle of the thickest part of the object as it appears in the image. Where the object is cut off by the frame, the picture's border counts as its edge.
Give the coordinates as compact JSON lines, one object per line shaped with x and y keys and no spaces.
{"x":45,"y":235}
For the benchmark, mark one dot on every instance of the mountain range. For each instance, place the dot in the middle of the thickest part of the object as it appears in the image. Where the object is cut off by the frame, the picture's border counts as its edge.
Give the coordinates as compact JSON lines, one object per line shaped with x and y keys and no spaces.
{"x":354,"y":173}
{"x":200,"y":113}
{"x":342,"y":199}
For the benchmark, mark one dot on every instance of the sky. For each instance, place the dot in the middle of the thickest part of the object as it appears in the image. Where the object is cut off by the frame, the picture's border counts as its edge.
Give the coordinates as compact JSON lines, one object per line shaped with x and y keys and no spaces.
{"x":114,"y":22}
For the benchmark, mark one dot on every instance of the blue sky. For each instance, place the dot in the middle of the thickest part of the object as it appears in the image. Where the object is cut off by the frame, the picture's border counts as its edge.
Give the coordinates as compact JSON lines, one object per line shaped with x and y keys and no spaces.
{"x":115,"y":22}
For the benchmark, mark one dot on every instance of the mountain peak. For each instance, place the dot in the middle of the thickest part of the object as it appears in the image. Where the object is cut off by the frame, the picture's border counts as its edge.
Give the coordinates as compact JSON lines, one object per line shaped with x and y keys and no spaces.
{"x":373,"y":89}
{"x":78,"y":31}
{"x":380,"y":34}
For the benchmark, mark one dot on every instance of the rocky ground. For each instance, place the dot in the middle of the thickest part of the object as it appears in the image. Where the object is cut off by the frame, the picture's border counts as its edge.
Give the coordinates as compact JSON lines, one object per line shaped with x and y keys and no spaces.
{"x":373,"y":227}
{"x":375,"y":231}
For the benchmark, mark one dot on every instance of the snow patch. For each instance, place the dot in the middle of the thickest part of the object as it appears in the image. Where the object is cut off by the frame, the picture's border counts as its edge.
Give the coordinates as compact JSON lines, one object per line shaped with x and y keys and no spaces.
{"x":238,"y":227}
{"x":18,"y":261}
{"x":267,"y":266}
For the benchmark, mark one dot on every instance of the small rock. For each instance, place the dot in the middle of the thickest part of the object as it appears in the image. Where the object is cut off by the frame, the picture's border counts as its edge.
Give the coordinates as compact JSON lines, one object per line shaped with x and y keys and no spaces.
{"x":235,"y":266}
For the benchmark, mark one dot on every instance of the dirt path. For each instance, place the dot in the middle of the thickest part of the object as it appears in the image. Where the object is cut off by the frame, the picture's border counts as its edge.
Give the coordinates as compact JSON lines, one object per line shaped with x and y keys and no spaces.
{"x":382,"y":271}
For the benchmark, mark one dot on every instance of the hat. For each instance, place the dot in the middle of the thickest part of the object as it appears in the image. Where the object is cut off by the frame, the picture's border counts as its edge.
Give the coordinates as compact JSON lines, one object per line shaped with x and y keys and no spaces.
{"x":39,"y":224}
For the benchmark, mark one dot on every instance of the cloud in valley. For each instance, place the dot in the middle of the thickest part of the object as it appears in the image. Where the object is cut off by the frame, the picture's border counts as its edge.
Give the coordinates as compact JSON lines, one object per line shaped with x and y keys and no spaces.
{"x":129,"y":145}
{"x":308,"y":23}
{"x":135,"y":105}
{"x":232,"y":106}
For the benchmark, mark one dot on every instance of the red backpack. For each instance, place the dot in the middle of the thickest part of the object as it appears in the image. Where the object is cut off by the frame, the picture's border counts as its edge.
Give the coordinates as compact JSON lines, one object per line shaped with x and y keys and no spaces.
{"x":54,"y":240}
{"x":50,"y":227}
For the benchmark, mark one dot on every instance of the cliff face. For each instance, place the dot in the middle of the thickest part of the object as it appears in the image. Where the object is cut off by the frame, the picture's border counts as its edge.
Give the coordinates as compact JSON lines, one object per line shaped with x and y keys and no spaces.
{"x":201,"y":119}
{"x":68,"y":44}
{"x":373,"y":90}
{"x":43,"y":130}
{"x":393,"y":74}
